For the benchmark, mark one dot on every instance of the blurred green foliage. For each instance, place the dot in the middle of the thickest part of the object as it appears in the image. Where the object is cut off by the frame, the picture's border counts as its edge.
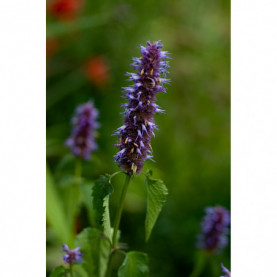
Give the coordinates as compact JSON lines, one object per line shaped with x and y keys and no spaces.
{"x":192,"y":146}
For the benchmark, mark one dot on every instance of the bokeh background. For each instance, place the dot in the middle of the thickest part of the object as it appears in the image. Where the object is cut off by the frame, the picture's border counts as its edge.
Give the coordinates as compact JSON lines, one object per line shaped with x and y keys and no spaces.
{"x":89,"y":49}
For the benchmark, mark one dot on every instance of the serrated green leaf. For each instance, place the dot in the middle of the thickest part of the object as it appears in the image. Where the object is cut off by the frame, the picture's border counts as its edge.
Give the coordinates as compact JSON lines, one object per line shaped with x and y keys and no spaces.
{"x":95,"y":251}
{"x":55,"y":213}
{"x":135,"y":264}
{"x":156,"y":197}
{"x":100,"y":193}
{"x":59,"y":271}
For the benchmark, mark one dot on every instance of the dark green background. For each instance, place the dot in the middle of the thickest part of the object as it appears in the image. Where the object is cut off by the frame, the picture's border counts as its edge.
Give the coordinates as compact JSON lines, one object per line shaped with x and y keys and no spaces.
{"x":192,"y":146}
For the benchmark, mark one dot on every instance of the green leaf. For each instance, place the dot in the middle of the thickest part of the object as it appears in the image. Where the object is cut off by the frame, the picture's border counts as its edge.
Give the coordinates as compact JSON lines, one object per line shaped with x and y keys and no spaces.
{"x":85,"y":190}
{"x":88,"y":240}
{"x":135,"y":264}
{"x":55,"y":213}
{"x":100,"y":193}
{"x":59,"y":271}
{"x":95,"y":251}
{"x":70,"y":191}
{"x":104,"y":252}
{"x":156,"y":197}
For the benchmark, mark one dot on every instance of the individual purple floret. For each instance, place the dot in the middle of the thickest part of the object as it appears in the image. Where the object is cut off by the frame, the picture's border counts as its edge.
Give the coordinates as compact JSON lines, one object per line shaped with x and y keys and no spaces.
{"x":72,"y":256}
{"x":215,"y":228}
{"x":138,"y":128}
{"x":225,"y":270}
{"x":82,"y":138}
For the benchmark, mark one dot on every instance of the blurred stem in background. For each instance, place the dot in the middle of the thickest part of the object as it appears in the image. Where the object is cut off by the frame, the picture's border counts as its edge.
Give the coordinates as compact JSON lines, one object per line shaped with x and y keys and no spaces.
{"x":117,"y":222}
{"x":199,"y":264}
{"x":74,"y":199}
{"x":214,"y":266}
{"x":205,"y":260}
{"x":78,"y":171}
{"x":71,"y":270}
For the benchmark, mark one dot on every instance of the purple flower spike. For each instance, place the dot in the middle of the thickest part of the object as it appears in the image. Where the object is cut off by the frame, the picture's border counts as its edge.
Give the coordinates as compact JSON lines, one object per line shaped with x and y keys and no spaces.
{"x":138,"y":129}
{"x":82,"y":138}
{"x":72,"y":256}
{"x":215,"y":228}
{"x":225,"y":270}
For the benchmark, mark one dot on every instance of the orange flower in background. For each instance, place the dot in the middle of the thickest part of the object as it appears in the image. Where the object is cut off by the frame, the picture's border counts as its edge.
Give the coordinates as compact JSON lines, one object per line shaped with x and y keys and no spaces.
{"x":65,"y":9}
{"x":97,"y":70}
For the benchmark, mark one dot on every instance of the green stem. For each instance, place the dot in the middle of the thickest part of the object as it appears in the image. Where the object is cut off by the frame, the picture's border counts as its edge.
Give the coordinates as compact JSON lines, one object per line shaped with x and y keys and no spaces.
{"x":120,"y":209}
{"x":78,"y":171}
{"x":71,"y":270}
{"x":117,"y":223}
{"x":74,"y":198}
{"x":109,"y":266}
{"x":215,"y":266}
{"x":199,"y":264}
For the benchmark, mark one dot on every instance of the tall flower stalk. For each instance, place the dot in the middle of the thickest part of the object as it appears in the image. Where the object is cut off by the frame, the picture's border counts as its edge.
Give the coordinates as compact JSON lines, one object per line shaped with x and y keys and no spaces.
{"x":138,"y":128}
{"x":82,"y":143}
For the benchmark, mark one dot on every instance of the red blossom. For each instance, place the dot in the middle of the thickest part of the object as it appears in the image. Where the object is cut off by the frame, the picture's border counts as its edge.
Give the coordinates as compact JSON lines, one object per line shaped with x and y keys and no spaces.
{"x":65,"y":9}
{"x":97,"y":70}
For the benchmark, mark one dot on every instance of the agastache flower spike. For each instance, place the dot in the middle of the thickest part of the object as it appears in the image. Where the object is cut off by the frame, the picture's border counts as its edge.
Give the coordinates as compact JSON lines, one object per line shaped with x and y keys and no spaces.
{"x":138,"y":129}
{"x":82,"y":138}
{"x":72,"y":255}
{"x":215,"y":228}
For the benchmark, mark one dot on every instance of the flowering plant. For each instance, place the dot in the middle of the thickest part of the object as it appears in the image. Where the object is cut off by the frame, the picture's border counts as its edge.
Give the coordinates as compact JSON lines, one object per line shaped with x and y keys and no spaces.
{"x":98,"y":250}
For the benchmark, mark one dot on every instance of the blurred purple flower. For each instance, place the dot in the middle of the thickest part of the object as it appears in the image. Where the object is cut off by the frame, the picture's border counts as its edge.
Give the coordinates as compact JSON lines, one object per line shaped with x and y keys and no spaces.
{"x":138,"y":129}
{"x":72,"y":256}
{"x":215,"y":228}
{"x":225,"y":270}
{"x":82,"y":138}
